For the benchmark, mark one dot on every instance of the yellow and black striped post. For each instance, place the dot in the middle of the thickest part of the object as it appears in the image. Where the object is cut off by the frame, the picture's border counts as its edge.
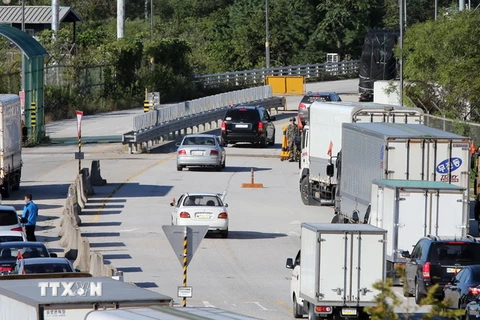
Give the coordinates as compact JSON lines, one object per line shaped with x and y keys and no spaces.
{"x":79,"y":152}
{"x":33,"y":117}
{"x":146,"y":106}
{"x":185,"y":252}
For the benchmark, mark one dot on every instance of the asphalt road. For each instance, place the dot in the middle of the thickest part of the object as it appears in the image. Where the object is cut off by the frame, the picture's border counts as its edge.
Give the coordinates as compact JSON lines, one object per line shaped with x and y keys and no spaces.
{"x":245,"y":273}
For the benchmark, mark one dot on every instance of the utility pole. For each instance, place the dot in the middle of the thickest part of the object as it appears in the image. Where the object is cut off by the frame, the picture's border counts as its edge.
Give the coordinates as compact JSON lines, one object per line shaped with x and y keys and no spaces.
{"x":151,"y":20}
{"x":55,"y":20}
{"x":461,"y":5}
{"x":120,"y":19}
{"x":267,"y":36}
{"x":400,"y":45}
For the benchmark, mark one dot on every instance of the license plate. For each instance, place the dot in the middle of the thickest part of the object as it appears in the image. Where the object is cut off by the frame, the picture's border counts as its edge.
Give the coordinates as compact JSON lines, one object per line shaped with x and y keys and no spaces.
{"x":241,"y":126}
{"x":197,"y":153}
{"x":203,"y":216}
{"x":453,"y":270}
{"x":349,"y":312}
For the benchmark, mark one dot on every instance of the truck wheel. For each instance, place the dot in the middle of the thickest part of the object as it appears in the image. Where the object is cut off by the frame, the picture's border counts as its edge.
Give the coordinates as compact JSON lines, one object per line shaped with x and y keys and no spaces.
{"x":5,"y":190}
{"x":311,"y":313}
{"x":297,"y":309}
{"x":306,"y":192}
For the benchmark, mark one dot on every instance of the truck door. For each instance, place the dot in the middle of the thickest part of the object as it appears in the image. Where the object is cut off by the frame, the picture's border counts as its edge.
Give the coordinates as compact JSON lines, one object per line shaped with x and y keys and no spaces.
{"x":333,"y":279}
{"x":450,"y":162}
{"x":443,"y":204}
{"x":411,"y":227}
{"x":406,"y":160}
{"x":367,"y":266}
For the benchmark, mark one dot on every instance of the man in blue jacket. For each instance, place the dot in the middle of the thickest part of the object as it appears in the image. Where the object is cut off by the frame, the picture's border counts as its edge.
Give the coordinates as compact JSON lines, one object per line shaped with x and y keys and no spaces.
{"x":29,"y":217}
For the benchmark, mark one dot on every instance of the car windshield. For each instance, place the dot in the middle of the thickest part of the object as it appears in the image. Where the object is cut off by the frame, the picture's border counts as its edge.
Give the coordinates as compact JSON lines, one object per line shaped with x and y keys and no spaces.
{"x":47,"y":268}
{"x":455,"y":252}
{"x":10,"y":238}
{"x":196,"y":141}
{"x":210,"y":201}
{"x":7,"y":253}
{"x":8,"y":218}
{"x":245,"y":115}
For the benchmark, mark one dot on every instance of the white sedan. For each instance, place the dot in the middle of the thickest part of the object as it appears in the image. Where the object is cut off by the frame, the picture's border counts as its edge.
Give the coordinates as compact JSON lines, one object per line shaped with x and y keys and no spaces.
{"x":201,"y":209}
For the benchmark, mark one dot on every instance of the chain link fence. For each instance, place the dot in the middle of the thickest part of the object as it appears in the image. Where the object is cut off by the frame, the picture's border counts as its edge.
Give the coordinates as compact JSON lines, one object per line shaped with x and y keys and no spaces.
{"x":464,"y":128}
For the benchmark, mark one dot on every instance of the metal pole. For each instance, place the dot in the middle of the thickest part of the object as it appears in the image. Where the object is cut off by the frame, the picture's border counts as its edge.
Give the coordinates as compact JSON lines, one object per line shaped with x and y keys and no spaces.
{"x":23,"y":15}
{"x":436,"y":9}
{"x":120,"y":19}
{"x":267,"y":36}
{"x":185,"y":252}
{"x":55,"y":22}
{"x":79,"y":153}
{"x":400,"y":45}
{"x":151,"y":20}
{"x":461,"y":5}
{"x":23,"y":58}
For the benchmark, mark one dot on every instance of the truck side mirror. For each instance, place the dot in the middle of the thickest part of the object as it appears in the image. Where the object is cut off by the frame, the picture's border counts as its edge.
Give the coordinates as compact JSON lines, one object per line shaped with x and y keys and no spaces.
{"x":405,"y":254}
{"x":289,"y":264}
{"x":330,"y":170}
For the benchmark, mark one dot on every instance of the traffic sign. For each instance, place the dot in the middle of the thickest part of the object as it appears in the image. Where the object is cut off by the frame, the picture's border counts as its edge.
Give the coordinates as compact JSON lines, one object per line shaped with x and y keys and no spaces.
{"x":176,"y":235}
{"x":184,"y":292}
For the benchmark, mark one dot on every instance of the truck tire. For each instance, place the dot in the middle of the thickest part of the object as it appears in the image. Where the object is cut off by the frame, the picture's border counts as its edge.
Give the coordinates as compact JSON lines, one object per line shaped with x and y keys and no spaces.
{"x":297,"y":309}
{"x":306,"y":192}
{"x":311,"y":313}
{"x":5,"y":190}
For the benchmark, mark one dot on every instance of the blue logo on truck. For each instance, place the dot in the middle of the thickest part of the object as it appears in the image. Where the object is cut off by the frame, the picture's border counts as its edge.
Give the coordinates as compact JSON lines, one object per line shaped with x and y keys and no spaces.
{"x":447,"y":166}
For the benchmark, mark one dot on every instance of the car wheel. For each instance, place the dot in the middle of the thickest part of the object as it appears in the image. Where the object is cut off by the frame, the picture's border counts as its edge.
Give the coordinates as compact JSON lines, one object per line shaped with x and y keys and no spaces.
{"x":263,"y":142}
{"x":224,"y":234}
{"x":297,"y":309}
{"x":179,"y":168}
{"x":272,"y":142}
{"x":418,"y":295}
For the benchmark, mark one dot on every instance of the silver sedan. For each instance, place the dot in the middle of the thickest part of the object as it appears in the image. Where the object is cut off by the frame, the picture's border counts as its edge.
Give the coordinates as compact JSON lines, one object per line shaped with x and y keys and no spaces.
{"x":203,"y":150}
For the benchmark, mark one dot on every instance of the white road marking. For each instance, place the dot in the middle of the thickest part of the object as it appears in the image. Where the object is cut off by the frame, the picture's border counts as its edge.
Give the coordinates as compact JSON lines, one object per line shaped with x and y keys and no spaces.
{"x":207,"y":304}
{"x":129,"y":230}
{"x":258,"y":304}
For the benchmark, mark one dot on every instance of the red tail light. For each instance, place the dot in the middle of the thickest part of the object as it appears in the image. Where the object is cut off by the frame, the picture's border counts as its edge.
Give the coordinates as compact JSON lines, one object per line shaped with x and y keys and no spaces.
{"x":426,"y":270}
{"x":323,"y":309}
{"x":213,"y":152}
{"x":17,"y":229}
{"x":260,"y":127}
{"x":302,"y":106}
{"x":224,"y":126}
{"x":223,"y":215}
{"x":5,"y":269}
{"x":182,"y":152}
{"x":184,"y":214}
{"x":474,"y":290}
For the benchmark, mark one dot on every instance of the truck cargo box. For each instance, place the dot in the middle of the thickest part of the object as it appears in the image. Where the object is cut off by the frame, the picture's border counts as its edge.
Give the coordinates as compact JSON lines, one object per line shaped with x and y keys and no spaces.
{"x":411,"y":209}
{"x":375,"y":151}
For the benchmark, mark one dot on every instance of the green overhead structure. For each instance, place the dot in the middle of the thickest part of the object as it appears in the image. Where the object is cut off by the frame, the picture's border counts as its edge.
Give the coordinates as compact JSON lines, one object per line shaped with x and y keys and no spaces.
{"x":33,"y":79}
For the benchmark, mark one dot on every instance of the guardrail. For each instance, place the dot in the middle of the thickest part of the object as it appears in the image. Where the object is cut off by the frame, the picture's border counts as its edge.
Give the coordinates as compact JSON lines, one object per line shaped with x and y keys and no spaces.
{"x":309,"y":71}
{"x":197,"y":122}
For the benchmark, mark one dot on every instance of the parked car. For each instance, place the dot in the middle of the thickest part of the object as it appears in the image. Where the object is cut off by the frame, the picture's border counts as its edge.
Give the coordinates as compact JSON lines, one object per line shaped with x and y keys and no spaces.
{"x":435,"y":260}
{"x":201,"y":209}
{"x":9,"y":236}
{"x":311,"y":97}
{"x":463,"y":288}
{"x":11,"y":251}
{"x":472,"y":310}
{"x":9,"y":220}
{"x":43,"y":265}
{"x":201,"y":150}
{"x":248,"y":124}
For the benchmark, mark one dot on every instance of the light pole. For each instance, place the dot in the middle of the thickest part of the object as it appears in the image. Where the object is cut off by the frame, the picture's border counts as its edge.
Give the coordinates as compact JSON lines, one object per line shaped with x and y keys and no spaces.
{"x":151,"y":20}
{"x":400,"y":5}
{"x":267,"y":36}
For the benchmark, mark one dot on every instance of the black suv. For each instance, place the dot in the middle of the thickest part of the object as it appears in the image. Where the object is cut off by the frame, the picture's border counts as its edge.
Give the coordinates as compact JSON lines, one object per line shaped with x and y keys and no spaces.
{"x":248,"y":124}
{"x":435,"y":260}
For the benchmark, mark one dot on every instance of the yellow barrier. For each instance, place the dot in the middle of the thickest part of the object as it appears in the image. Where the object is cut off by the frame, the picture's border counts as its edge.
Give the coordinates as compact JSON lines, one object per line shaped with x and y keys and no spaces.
{"x":286,"y":84}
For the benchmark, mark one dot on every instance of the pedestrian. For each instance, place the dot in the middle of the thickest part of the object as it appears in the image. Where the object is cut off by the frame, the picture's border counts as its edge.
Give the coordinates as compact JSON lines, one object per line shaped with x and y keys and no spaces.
{"x":29,"y":217}
{"x":292,"y":133}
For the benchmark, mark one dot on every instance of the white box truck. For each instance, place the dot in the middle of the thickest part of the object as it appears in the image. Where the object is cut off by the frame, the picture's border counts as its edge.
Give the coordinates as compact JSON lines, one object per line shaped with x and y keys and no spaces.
{"x":336,"y":268}
{"x":322,"y":140}
{"x":10,"y":143}
{"x":373,"y":151}
{"x":70,"y":298}
{"x":411,"y":209}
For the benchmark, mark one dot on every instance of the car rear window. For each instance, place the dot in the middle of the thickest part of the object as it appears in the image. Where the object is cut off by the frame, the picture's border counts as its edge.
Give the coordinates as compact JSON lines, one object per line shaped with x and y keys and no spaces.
{"x":245,"y":115}
{"x":312,"y":99}
{"x":210,"y":201}
{"x":455,"y":252}
{"x":10,"y":238}
{"x":206,"y":141}
{"x":47,"y":268}
{"x":8,"y":218}
{"x":27,"y":252}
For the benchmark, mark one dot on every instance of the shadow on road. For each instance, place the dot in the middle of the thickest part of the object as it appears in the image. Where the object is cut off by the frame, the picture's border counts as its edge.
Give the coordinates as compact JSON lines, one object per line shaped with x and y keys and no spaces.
{"x":248,"y":235}
{"x":106,"y":244}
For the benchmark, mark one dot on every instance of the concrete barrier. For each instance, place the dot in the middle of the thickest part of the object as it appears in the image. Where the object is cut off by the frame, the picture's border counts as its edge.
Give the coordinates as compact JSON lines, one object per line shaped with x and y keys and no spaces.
{"x":95,"y":175}
{"x":79,"y":192}
{"x":82,"y":191}
{"x":108,"y":270}
{"x":65,"y":231}
{"x":96,"y":264}
{"x":87,"y":183}
{"x":82,"y":262}
{"x":71,"y":251}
